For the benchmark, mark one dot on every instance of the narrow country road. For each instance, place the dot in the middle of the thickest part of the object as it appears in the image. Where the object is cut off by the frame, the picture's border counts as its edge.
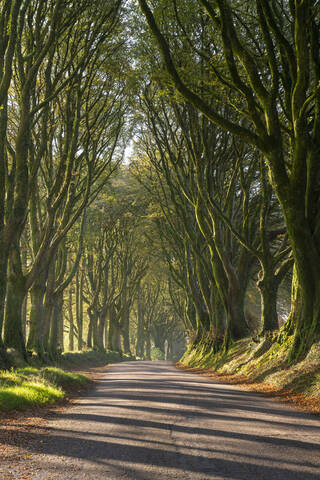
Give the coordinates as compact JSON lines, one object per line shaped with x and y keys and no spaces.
{"x":147,"y":420}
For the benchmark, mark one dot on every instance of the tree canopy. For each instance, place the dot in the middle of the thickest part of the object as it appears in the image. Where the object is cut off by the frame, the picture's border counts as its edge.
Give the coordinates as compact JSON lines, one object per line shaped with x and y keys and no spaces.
{"x":159,"y":169}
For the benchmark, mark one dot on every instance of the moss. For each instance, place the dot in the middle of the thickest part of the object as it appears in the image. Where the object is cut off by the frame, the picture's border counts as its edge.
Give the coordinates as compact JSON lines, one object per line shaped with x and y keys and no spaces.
{"x":263,"y":360}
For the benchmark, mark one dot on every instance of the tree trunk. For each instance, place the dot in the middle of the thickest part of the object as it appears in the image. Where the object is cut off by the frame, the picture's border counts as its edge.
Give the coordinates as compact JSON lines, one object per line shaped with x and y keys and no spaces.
{"x":236,"y":327}
{"x":268,"y":288}
{"x":125,"y":331}
{"x":36,"y":319}
{"x":79,"y":310}
{"x":16,"y":292}
{"x":106,"y":330}
{"x":43,"y":335}
{"x":95,"y":342}
{"x":61,"y":324}
{"x":43,"y":342}
{"x":140,"y":329}
{"x":140,"y":343}
{"x":114,"y":339}
{"x":148,"y":346}
{"x":55,"y":326}
{"x":90,"y":330}
{"x":102,"y":320}
{"x":4,"y":362}
{"x":71,"y":322}
{"x":24,"y":318}
{"x":305,"y":310}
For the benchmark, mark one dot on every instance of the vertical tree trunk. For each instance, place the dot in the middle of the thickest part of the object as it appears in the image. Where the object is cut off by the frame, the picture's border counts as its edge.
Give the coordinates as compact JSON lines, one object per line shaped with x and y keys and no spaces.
{"x":4,"y":363}
{"x":60,"y":324}
{"x":125,"y":330}
{"x":140,"y":329}
{"x":79,"y":310}
{"x":90,"y":330}
{"x":55,"y":330}
{"x":268,"y":288}
{"x":24,"y":318}
{"x":102,"y":320}
{"x":236,"y":327}
{"x":43,"y":335}
{"x":71,"y":322}
{"x":114,"y":340}
{"x":36,"y":319}
{"x":106,"y":330}
{"x":305,"y":310}
{"x":16,"y":292}
{"x":95,"y":342}
{"x":148,"y":346}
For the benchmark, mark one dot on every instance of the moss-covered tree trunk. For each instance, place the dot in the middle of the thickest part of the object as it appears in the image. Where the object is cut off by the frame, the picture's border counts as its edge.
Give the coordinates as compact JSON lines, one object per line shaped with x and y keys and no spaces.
{"x":268,"y":288}
{"x":16,"y":292}
{"x":43,"y":333}
{"x":236,"y":325}
{"x":55,"y":344}
{"x":36,"y":318}
{"x":306,"y":311}
{"x":114,"y":338}
{"x":3,"y":286}
{"x":102,"y":320}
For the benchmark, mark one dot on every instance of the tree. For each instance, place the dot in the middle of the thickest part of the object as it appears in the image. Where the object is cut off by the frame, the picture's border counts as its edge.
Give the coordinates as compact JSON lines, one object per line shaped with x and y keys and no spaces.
{"x":275,"y":81}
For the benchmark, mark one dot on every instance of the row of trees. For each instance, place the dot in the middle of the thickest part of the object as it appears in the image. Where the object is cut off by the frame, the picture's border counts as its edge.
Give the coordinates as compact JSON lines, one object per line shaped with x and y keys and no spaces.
{"x":65,"y":116}
{"x":62,"y":131}
{"x":218,"y":202}
{"x":232,"y":108}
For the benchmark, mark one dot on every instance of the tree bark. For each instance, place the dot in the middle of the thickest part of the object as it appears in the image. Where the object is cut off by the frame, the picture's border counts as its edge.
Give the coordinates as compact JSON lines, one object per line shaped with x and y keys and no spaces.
{"x":71,"y":320}
{"x":79,"y":310}
{"x":16,"y":292}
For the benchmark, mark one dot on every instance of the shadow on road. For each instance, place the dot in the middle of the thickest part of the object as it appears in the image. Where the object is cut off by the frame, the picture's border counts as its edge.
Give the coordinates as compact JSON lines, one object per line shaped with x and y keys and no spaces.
{"x":151,"y":415}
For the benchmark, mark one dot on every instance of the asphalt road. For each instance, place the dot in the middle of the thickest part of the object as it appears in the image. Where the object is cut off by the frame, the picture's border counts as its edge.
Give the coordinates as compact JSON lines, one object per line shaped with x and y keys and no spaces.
{"x":148,"y":420}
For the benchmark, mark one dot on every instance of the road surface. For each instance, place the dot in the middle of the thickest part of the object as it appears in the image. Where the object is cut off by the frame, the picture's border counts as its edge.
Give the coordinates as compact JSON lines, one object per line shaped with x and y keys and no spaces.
{"x":148,"y":420}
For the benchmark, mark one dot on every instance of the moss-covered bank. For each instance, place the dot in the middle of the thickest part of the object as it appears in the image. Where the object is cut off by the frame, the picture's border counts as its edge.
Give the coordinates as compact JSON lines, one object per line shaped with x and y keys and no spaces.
{"x":263,"y":364}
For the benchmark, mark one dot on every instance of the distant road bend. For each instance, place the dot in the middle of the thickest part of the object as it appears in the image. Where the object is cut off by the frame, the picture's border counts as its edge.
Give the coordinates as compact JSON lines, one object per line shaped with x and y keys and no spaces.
{"x":147,"y":420}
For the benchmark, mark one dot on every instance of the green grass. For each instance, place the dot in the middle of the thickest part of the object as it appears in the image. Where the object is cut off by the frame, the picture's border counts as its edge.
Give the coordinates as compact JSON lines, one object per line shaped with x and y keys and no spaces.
{"x":28,"y":394}
{"x":63,"y":379}
{"x":29,"y":386}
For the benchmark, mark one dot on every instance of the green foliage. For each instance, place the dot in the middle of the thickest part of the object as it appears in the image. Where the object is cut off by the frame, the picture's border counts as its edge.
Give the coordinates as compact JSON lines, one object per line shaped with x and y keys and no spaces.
{"x":156,"y":354}
{"x":28,"y":394}
{"x":26,"y":387}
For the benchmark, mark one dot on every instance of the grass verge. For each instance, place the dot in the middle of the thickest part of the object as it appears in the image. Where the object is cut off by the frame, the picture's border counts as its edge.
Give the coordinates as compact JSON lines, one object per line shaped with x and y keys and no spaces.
{"x":262,"y":366}
{"x":27,"y":387}
{"x":33,"y":384}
